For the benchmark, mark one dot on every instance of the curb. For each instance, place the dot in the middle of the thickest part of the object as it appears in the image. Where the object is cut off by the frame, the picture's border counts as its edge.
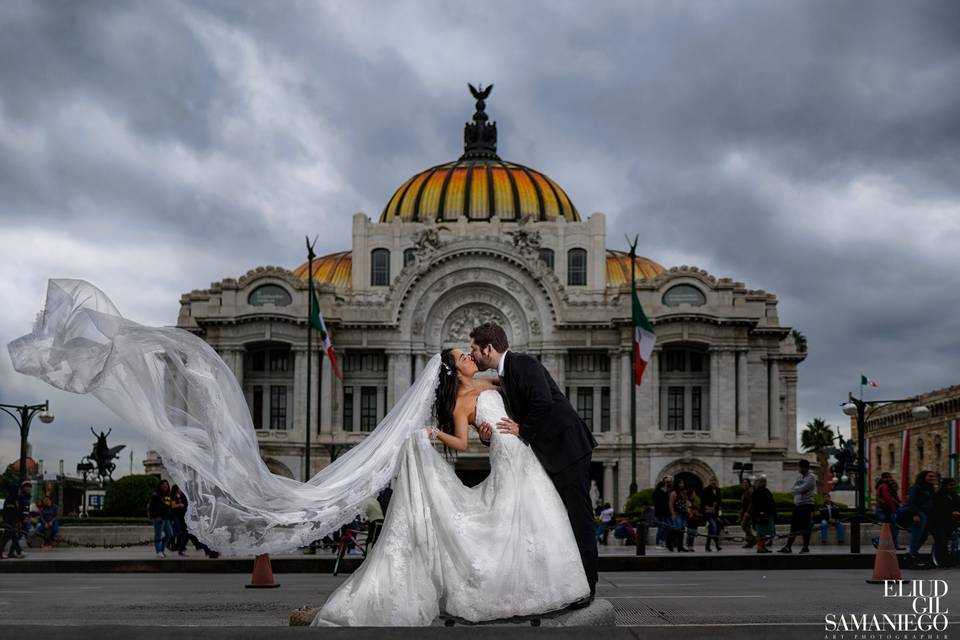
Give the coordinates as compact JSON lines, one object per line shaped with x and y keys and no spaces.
{"x":772,"y":562}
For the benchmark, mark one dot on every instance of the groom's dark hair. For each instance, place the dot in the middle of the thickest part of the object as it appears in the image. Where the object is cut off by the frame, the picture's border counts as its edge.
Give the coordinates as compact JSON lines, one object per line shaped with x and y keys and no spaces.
{"x":490,"y":333}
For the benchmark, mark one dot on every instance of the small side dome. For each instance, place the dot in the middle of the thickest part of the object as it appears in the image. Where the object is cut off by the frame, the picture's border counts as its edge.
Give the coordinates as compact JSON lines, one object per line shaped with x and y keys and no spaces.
{"x":335,"y":268}
{"x":618,"y":268}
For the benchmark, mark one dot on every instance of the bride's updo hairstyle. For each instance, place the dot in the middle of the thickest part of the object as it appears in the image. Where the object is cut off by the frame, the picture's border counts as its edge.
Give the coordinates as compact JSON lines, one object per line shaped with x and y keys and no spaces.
{"x":446,"y":394}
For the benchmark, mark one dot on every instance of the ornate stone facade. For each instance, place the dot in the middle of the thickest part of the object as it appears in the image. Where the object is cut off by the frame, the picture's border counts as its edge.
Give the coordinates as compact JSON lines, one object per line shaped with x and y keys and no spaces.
{"x":721,"y":386}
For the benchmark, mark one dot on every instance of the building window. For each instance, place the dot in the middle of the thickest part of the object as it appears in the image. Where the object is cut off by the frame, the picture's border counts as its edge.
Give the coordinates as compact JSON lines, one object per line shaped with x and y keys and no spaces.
{"x":348,"y":408}
{"x":674,"y":361}
{"x":696,"y":402}
{"x":547,"y":256}
{"x":379,"y":268}
{"x":409,"y":257}
{"x":279,"y":360}
{"x":588,"y":362}
{"x":258,"y":360}
{"x":605,"y":409}
{"x":696,"y":362}
{"x":585,"y":405}
{"x":684,"y":294}
{"x":577,"y":267}
{"x":278,"y":407}
{"x":879,"y":461}
{"x":270,"y":294}
{"x":368,"y":408}
{"x":675,"y":409}
{"x":369,"y":361}
{"x":258,"y":407}
{"x":920,"y":452}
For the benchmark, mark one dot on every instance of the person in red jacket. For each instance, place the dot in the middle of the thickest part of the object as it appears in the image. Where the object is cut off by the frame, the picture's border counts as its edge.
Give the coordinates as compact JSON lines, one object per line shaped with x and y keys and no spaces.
{"x":887,"y":504}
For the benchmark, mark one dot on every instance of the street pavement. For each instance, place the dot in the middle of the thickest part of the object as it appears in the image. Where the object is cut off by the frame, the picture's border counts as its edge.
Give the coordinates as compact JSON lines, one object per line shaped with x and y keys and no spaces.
{"x":715,"y":604}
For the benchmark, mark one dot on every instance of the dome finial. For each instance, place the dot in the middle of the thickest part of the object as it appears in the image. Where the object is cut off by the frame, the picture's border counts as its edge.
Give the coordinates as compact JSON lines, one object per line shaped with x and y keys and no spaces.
{"x":480,"y":138}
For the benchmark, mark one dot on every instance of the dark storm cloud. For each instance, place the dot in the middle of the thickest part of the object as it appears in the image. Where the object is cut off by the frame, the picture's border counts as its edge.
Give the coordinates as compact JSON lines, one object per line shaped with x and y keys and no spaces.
{"x":810,"y":149}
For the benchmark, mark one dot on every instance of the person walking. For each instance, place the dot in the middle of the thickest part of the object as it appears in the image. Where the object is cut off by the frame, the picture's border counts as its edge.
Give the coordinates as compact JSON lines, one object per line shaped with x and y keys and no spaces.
{"x":710,"y":507}
{"x":160,"y":513}
{"x":746,"y":522}
{"x":694,"y":519}
{"x":178,"y":517}
{"x":803,"y":489}
{"x":920,"y":505}
{"x":678,"y":516}
{"x":661,"y":510}
{"x":944,"y":518}
{"x":888,"y":503}
{"x":606,"y":521}
{"x":11,"y":524}
{"x":763,"y":511}
{"x":830,"y":515}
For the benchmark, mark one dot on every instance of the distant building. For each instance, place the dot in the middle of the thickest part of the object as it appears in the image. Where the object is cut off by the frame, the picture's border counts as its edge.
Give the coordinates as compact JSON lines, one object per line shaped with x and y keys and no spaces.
{"x":928,"y":440}
{"x":482,"y":239}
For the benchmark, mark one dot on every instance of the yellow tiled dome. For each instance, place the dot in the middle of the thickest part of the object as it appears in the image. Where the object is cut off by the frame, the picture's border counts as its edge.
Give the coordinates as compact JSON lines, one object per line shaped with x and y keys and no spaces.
{"x":618,"y":268}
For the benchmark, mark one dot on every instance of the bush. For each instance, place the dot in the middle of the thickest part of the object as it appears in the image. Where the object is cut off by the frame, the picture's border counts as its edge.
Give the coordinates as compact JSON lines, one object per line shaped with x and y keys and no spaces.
{"x":129,"y":496}
{"x":101,"y":521}
{"x":637,"y":500}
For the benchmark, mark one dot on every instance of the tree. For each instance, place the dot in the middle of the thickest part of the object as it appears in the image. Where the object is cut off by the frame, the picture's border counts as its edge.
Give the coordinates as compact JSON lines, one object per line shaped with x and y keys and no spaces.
{"x":800,"y":341}
{"x":129,"y":495}
{"x":818,"y":437}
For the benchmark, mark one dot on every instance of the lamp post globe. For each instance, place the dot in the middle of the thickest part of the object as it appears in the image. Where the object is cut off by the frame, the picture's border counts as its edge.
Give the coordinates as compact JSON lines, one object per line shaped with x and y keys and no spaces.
{"x":921,"y":412}
{"x":849,"y":409}
{"x":45,"y":417}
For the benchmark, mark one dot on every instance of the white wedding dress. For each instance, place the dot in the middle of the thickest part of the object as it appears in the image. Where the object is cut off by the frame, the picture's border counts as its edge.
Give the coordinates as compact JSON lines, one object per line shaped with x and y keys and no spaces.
{"x":503,"y":548}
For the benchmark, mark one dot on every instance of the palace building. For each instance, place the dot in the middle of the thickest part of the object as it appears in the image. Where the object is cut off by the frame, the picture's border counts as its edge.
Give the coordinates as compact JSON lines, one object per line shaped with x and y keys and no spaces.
{"x":479,"y":239}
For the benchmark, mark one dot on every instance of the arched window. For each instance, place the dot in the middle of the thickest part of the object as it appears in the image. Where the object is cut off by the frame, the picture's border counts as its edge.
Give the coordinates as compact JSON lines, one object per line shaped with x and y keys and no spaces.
{"x":270,"y":294}
{"x":577,"y":267}
{"x":684,"y":294}
{"x":879,"y":461}
{"x":379,"y":268}
{"x":547,"y":256}
{"x":409,"y":257}
{"x":892,"y":457}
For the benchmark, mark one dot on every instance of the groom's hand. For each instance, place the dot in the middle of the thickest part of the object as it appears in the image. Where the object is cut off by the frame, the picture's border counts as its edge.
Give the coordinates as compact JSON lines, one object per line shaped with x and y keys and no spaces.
{"x":506,"y":425}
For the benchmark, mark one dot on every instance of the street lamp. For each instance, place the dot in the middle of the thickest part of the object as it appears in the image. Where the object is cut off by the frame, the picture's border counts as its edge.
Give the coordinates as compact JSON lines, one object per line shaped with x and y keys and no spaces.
{"x":857,"y":407}
{"x":23,"y":414}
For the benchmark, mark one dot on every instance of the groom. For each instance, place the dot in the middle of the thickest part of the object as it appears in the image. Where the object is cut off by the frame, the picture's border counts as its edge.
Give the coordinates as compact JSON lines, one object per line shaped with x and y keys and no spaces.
{"x":542,"y":416}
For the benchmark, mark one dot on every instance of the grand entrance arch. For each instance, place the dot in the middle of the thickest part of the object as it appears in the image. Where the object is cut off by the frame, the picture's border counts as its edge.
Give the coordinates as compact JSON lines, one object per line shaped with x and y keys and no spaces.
{"x":695,"y":473}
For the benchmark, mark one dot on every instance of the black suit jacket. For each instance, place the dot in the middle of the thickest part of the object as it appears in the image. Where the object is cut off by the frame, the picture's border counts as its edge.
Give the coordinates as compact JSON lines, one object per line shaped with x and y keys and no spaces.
{"x":558,"y":436}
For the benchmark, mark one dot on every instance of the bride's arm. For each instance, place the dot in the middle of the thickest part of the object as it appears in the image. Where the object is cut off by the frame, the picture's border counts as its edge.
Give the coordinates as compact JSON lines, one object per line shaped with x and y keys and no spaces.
{"x":458,"y":440}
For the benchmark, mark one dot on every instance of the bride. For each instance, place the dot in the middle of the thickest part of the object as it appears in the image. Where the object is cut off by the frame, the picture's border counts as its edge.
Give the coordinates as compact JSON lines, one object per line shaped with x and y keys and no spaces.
{"x":500,"y":549}
{"x":503,"y":548}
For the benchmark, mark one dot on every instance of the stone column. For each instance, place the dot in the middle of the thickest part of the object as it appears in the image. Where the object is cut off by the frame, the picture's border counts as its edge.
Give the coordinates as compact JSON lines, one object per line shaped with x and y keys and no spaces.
{"x":421,"y":363}
{"x":743,"y":412}
{"x":298,"y":420}
{"x":391,"y":379}
{"x":651,"y":376}
{"x":559,"y":370}
{"x":315,"y":393}
{"x":773,"y":402}
{"x":623,"y":392}
{"x":234,"y":358}
{"x":727,"y":400}
{"x":326,"y":397}
{"x":401,"y":377}
{"x":608,"y":489}
{"x":714,"y":420}
{"x":614,"y":383}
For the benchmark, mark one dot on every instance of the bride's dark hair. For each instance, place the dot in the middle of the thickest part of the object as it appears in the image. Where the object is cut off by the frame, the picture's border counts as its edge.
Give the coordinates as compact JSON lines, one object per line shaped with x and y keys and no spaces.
{"x":446,"y":395}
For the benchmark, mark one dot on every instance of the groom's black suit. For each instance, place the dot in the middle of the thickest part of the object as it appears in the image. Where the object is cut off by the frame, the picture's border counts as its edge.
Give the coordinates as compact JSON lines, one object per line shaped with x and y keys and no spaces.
{"x":561,"y":441}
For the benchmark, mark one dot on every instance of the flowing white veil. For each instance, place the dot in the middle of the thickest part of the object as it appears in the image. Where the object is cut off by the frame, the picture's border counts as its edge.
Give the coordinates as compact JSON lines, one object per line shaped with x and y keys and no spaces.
{"x":173,"y":387}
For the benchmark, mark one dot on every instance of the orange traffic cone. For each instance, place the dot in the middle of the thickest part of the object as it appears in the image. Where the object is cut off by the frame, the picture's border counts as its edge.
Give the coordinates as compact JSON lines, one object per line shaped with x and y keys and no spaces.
{"x":885,"y":567}
{"x":262,"y":577}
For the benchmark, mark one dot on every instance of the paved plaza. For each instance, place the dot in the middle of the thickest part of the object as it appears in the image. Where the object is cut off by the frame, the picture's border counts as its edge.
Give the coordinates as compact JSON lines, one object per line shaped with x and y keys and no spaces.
{"x":663,"y":604}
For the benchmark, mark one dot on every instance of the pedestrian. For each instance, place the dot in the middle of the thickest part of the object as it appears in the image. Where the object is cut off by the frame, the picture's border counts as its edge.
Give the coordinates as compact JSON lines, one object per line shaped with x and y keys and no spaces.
{"x":606,"y":521}
{"x":763,"y":512}
{"x":678,"y":515}
{"x":694,"y":518}
{"x":160,"y":513}
{"x":661,"y":510}
{"x":830,"y":515}
{"x":49,"y":522}
{"x":625,"y":531}
{"x":178,"y":512}
{"x":373,"y":514}
{"x":888,"y":504}
{"x":710,"y":506}
{"x":920,"y":505}
{"x":944,"y":518}
{"x":11,"y":524}
{"x":803,"y":489}
{"x":744,"y":519}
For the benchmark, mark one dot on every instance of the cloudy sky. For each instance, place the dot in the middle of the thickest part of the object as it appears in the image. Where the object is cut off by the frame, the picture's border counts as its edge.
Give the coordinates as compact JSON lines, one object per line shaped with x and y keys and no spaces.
{"x":811,"y":149}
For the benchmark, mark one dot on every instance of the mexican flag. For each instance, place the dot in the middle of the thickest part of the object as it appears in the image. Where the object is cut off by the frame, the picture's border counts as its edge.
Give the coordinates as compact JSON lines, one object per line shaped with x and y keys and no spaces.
{"x":644,"y":338}
{"x":953,"y":429}
{"x":868,"y":382}
{"x":316,"y":321}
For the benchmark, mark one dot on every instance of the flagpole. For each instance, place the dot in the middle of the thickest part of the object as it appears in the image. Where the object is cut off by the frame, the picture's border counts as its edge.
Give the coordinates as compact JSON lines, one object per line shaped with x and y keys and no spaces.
{"x":310,"y":256}
{"x":633,"y":369}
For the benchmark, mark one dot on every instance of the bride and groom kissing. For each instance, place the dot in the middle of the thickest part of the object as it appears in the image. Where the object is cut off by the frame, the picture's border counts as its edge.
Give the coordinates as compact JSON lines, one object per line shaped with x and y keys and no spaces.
{"x":521,"y":542}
